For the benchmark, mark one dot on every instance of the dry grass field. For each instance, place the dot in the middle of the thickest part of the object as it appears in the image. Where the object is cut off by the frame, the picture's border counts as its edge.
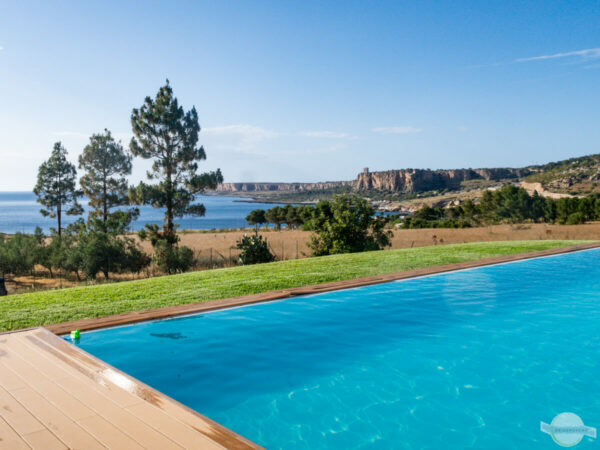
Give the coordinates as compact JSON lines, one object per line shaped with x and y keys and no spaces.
{"x":217,"y":249}
{"x":284,"y":242}
{"x":436,"y":236}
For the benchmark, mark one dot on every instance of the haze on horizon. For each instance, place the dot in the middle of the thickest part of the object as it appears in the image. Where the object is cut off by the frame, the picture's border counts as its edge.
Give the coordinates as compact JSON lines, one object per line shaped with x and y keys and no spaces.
{"x":306,"y":91}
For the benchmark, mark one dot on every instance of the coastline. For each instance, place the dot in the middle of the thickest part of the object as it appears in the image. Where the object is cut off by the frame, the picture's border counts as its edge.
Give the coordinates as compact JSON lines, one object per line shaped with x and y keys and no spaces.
{"x":19,"y":212}
{"x":241,"y":197}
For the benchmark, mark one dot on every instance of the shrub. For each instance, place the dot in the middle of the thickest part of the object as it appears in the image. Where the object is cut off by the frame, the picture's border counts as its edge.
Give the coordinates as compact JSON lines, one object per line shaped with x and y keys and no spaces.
{"x":575,"y":218}
{"x":168,"y":255}
{"x":18,"y":254}
{"x":107,"y":253}
{"x":172,"y":258}
{"x":255,"y":250}
{"x":94,"y":247}
{"x":347,"y":225}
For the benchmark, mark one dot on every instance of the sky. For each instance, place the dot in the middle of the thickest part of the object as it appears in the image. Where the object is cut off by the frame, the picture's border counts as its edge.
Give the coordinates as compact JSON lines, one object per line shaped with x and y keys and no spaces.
{"x":304,"y":91}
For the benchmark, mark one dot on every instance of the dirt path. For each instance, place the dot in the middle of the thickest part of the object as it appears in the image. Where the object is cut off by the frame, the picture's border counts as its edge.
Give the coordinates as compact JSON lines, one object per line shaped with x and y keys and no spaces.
{"x":532,"y":187}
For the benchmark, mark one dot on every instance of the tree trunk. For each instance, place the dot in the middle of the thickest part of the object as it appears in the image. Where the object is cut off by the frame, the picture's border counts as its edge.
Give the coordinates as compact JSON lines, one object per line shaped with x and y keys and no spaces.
{"x":59,"y":208}
{"x":105,"y":208}
{"x":59,"y":215}
{"x":169,"y":229}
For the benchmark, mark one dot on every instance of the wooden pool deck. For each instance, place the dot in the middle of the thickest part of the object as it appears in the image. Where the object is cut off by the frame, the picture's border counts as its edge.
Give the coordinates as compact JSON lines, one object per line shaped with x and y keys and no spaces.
{"x":54,"y":395}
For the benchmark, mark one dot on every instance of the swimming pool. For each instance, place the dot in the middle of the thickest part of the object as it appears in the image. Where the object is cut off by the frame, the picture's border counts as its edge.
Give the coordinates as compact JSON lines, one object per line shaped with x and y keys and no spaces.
{"x":467,"y":359}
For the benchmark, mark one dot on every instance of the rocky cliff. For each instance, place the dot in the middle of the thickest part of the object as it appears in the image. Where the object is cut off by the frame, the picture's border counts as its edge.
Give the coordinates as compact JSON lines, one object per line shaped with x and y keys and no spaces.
{"x":574,"y":175}
{"x":423,"y":180}
{"x":403,"y":180}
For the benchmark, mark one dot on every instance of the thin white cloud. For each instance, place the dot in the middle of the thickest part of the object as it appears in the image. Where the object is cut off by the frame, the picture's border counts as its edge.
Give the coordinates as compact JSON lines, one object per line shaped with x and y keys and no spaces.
{"x":244,"y":139}
{"x":243,"y":131}
{"x":71,"y":134}
{"x":240,"y":139}
{"x":1,"y":48}
{"x":587,"y":54}
{"x":324,"y":134}
{"x":397,"y":130}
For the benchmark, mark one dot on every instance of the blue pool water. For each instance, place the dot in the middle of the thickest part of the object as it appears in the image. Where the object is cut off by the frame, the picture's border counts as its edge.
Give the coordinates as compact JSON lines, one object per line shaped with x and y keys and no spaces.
{"x":469,"y":359}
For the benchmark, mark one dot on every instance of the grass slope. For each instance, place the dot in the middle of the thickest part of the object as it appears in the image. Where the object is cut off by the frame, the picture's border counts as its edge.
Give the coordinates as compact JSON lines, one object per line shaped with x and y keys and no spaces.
{"x":48,"y":307}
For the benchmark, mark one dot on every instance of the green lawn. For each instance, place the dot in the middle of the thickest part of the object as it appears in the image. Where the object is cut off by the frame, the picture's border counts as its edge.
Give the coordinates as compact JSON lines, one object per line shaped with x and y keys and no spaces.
{"x":48,"y":307}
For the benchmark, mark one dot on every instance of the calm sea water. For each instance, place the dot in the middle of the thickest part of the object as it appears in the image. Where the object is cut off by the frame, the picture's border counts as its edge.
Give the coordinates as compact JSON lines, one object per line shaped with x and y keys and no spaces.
{"x":469,"y":359}
{"x":20,"y":212}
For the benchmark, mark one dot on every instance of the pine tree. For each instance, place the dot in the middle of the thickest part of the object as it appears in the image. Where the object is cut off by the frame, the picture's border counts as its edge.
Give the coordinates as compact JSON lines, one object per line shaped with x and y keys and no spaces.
{"x":168,"y":135}
{"x":256,"y":217}
{"x":56,"y":187}
{"x":105,"y":182}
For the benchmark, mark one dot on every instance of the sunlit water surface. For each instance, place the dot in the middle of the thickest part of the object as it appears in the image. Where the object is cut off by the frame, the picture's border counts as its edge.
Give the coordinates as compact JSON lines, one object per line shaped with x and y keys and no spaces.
{"x":470,"y":359}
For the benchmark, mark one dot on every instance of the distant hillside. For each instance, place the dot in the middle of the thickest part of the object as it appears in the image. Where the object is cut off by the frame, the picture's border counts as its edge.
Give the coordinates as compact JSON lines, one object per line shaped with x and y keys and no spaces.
{"x":573,"y":176}
{"x":407,"y":181}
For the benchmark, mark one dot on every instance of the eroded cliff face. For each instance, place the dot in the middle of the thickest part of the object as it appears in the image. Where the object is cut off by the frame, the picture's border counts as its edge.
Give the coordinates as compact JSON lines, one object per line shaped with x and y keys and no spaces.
{"x":403,"y":180}
{"x":422,"y":180}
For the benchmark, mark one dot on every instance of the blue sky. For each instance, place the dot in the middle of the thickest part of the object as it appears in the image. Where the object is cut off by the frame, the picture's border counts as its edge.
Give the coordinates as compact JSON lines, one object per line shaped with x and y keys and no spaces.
{"x":307,"y":91}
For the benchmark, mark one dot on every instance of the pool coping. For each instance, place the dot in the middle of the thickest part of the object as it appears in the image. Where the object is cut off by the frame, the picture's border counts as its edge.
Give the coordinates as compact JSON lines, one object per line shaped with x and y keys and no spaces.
{"x":213,"y":305}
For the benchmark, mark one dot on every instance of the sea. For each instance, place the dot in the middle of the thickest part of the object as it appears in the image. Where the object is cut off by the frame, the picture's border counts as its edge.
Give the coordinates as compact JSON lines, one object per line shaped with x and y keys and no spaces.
{"x":19,"y":212}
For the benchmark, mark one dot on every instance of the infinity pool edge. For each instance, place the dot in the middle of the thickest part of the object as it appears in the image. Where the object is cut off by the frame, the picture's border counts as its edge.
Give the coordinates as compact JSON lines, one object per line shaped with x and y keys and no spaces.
{"x":212,"y":305}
